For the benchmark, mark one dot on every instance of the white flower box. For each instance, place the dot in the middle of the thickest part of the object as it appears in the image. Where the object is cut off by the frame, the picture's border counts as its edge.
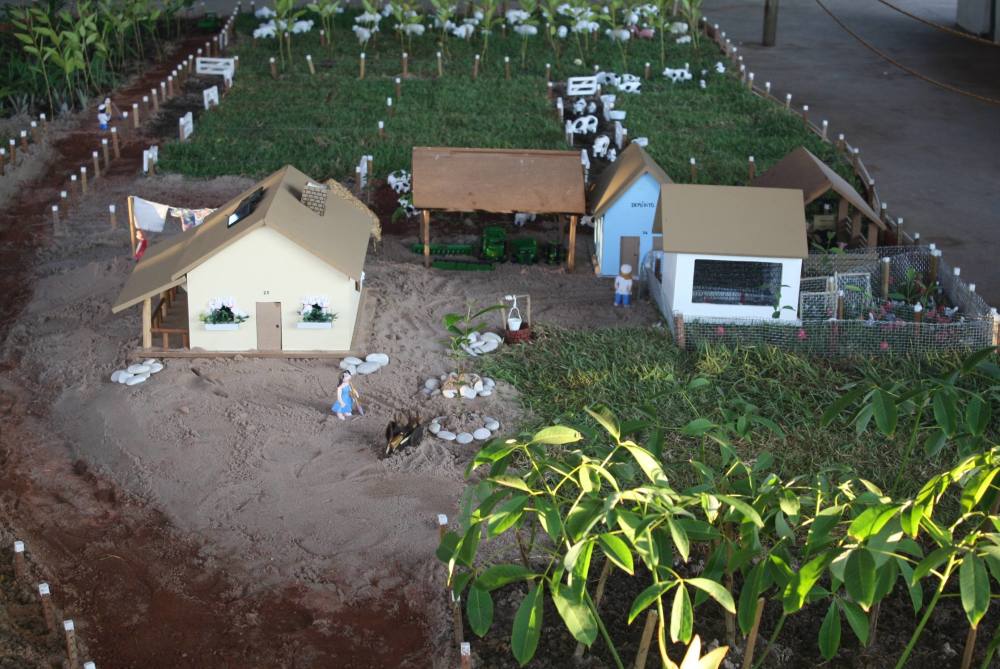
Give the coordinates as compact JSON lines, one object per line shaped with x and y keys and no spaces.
{"x":222,"y":327}
{"x":309,"y":325}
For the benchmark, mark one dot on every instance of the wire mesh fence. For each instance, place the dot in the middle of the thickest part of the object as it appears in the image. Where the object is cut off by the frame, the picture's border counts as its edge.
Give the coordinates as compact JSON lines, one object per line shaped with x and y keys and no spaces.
{"x":885,"y":300}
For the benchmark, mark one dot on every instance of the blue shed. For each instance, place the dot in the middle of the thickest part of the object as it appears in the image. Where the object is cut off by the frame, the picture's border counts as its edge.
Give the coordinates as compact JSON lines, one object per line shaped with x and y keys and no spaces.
{"x":622,"y":201}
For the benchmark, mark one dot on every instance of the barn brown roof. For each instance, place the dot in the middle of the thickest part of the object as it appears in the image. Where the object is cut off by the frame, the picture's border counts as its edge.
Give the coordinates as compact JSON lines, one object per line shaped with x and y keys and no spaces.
{"x":498,"y":180}
{"x":619,"y":176}
{"x":731,"y":221}
{"x":801,"y":169}
{"x":339,"y":237}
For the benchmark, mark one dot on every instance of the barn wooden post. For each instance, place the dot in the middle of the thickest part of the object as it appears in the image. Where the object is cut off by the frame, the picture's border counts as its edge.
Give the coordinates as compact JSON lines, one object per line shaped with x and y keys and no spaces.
{"x":873,"y":231}
{"x":147,"y":323}
{"x":855,"y":225}
{"x":679,"y":330}
{"x":886,"y":271}
{"x":426,"y":231}
{"x":841,"y":214}
{"x":571,"y":255}
{"x":131,"y":222}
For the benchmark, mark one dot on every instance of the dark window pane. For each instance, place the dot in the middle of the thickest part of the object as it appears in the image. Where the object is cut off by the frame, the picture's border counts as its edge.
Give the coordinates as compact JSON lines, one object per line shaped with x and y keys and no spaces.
{"x":736,"y":282}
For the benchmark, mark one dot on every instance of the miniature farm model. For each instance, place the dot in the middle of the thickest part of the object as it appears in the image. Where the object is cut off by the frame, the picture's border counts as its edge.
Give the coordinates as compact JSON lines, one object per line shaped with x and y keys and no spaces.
{"x":802,"y":170}
{"x":278,"y":268}
{"x":728,"y":252}
{"x":498,"y":181}
{"x":622,"y":202}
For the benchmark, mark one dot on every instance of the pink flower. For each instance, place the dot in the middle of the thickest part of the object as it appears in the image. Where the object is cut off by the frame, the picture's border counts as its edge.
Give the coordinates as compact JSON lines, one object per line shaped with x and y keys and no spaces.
{"x":802,"y":335}
{"x":884,"y":346}
{"x":720,"y":330}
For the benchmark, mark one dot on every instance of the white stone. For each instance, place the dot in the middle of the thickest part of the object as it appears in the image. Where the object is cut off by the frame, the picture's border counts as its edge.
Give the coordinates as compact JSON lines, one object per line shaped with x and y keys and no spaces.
{"x":468,"y":349}
{"x":137,"y":369}
{"x":485,"y":392}
{"x":368,"y":367}
{"x":463,"y":438}
{"x":344,"y":364}
{"x":488,"y":382}
{"x":133,"y":380}
{"x":481,"y":434}
{"x":473,"y":337}
{"x":449,"y":394}
{"x":117,"y":373}
{"x":446,"y":435}
{"x":379,"y":358}
{"x":478,"y":385}
{"x":434,"y":428}
{"x":124,"y":377}
{"x":351,"y":360}
{"x":467,"y":392}
{"x":492,"y":424}
{"x":492,"y":336}
{"x":156,"y":367}
{"x":431,"y":384}
{"x":489,"y":346}
{"x":149,"y":361}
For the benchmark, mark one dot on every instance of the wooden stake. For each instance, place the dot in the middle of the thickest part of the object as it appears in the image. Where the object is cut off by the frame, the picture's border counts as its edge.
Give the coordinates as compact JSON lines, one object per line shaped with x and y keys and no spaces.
{"x":3,"y":160}
{"x":605,"y":570}
{"x":886,"y":270}
{"x":388,"y":104}
{"x":34,"y":132}
{"x":163,"y":91}
{"x":440,"y":65}
{"x":55,"y":219}
{"x":13,"y":152}
{"x":754,"y":632}
{"x":750,"y":81}
{"x":805,"y":116}
{"x":935,"y":264}
{"x":105,"y":150}
{"x":74,"y":185}
{"x":97,"y":164}
{"x":465,"y":653}
{"x":274,"y":68}
{"x":840,"y":305}
{"x":170,"y":85}
{"x":442,"y":521}
{"x":571,"y":254}
{"x":83,"y":179}
{"x":426,"y":233}
{"x":647,"y":72}
{"x":113,"y":215}
{"x":399,"y":88}
{"x":381,"y":128}
{"x":47,"y":611}
{"x":647,"y":636}
{"x":156,"y":100}
{"x":309,"y":62}
{"x":679,"y":330}
{"x":475,"y":68}
{"x":406,"y":64}
{"x":135,"y":114}
{"x":825,"y":127}
{"x":694,"y":171}
{"x":506,"y":67}
{"x":147,"y":323}
{"x":71,"y":651}
{"x":131,"y":222}
{"x":24,"y":141}
{"x":751,"y":169}
{"x":20,"y":567}
{"x":361,"y":65}
{"x":322,"y":38}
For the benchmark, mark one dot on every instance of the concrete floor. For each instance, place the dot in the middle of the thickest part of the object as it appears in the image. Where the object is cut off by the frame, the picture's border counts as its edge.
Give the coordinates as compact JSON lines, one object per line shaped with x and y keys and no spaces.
{"x":934,"y":154}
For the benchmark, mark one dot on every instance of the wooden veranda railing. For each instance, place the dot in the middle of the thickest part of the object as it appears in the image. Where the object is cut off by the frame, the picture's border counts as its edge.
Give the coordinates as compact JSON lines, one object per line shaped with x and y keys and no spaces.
{"x":170,"y":318}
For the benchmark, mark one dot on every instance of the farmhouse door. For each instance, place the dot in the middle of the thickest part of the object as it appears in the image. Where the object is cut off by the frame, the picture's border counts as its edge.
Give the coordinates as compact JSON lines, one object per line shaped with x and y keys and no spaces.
{"x":268,"y":326}
{"x":630,"y":254}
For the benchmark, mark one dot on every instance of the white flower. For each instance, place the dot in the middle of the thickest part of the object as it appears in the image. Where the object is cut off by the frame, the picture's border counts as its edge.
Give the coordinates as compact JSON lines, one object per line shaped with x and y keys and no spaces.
{"x":561,"y":32}
{"x":517,"y":16}
{"x":586,"y":26}
{"x":719,"y":67}
{"x":239,"y":313}
{"x":619,"y":35}
{"x":632,"y":19}
{"x":387,"y":10}
{"x":265,"y":13}
{"x":414,"y":29}
{"x":363,"y":34}
{"x":300,"y":27}
{"x":266,"y":30}
{"x":525,"y":30}
{"x":463,"y":31}
{"x":685,"y":39}
{"x":477,"y":15}
{"x":367,"y":17}
{"x":229,"y":301}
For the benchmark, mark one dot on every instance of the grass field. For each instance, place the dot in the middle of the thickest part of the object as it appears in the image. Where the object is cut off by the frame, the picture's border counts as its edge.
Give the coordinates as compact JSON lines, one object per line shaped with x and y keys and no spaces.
{"x":325,"y":123}
{"x":632,"y":369}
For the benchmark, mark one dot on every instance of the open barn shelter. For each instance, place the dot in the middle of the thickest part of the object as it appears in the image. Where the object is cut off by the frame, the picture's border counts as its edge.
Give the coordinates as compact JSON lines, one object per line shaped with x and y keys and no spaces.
{"x":801,"y":170}
{"x":498,"y":181}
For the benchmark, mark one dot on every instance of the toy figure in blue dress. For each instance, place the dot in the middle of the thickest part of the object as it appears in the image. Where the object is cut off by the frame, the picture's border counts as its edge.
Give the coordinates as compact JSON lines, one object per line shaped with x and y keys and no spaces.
{"x":345,"y":402}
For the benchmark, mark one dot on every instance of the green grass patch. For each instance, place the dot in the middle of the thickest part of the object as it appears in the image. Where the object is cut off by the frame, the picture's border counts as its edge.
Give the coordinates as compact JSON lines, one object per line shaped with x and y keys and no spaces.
{"x":633,"y":370}
{"x":324,"y":123}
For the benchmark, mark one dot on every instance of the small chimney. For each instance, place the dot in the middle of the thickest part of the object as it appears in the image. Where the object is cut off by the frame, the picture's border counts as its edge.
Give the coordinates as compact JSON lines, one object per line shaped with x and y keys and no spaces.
{"x":314,"y":197}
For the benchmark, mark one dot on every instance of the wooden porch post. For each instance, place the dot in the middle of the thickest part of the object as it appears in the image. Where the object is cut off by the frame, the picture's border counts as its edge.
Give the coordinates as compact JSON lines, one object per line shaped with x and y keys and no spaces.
{"x":131,"y":222}
{"x":426,"y":225}
{"x":571,"y":256}
{"x":841,"y":215}
{"x":873,"y":231}
{"x":147,"y":323}
{"x":855,"y":225}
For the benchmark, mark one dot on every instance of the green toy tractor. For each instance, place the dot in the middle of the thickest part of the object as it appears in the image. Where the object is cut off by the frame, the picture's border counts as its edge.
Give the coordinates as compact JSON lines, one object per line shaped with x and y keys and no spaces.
{"x":494,"y":243}
{"x":524,"y":251}
{"x":209,"y":22}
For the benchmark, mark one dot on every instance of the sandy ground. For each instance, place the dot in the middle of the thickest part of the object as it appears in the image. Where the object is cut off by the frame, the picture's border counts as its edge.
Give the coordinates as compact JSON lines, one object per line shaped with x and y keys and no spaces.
{"x":243,"y":455}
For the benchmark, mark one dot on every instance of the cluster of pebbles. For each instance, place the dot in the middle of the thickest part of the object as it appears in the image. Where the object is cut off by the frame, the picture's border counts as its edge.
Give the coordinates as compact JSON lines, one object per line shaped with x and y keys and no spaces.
{"x":464,"y":429}
{"x":478,"y":343}
{"x":135,"y":374}
{"x":371,"y":364}
{"x":464,"y":385}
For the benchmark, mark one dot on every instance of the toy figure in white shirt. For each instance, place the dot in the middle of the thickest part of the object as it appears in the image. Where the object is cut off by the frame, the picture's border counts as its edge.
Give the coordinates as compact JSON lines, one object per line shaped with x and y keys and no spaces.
{"x":623,"y":286}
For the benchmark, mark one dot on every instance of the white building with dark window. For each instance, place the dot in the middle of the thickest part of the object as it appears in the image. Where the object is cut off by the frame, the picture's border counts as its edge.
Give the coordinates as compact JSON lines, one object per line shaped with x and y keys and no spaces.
{"x":728,"y":252}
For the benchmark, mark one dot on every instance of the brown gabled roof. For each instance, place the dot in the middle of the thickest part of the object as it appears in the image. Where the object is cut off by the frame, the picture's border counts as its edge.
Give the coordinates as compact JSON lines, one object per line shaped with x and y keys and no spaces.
{"x":498,"y":180}
{"x":339,"y":237}
{"x":731,"y":221}
{"x":801,"y":169}
{"x":619,"y":176}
